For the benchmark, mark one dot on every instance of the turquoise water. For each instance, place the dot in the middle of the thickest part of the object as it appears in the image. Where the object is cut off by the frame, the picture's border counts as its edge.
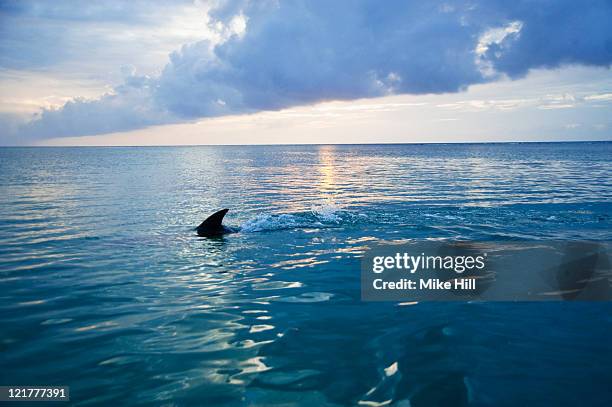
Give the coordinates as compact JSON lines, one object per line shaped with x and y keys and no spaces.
{"x":105,"y":287}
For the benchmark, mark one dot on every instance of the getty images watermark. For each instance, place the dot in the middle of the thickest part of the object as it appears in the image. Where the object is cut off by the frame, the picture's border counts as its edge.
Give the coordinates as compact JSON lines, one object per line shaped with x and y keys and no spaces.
{"x":488,"y":271}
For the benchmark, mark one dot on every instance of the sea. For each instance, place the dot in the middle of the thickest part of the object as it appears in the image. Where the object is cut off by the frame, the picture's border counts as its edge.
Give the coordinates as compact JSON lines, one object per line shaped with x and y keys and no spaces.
{"x":106,"y":288}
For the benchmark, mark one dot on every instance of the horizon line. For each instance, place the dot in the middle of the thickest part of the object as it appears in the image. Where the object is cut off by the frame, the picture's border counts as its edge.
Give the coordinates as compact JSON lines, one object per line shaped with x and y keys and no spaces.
{"x":309,"y":144}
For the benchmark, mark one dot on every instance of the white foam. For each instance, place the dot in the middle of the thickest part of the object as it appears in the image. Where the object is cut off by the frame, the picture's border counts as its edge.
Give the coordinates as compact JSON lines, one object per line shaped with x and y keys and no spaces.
{"x":269,"y":222}
{"x":328,"y":212}
{"x":319,"y":216}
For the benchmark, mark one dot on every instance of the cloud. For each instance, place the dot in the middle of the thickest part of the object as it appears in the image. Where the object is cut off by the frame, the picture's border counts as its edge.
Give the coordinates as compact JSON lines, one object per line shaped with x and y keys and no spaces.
{"x":599,"y":97}
{"x":499,"y":38}
{"x":269,"y":55}
{"x":37,"y":34}
{"x":553,"y":33}
{"x":129,"y":107}
{"x":545,"y":102}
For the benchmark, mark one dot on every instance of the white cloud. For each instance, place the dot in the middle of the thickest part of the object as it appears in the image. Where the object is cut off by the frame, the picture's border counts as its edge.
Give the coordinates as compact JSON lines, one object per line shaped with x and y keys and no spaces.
{"x":494,"y":37}
{"x":599,"y":97}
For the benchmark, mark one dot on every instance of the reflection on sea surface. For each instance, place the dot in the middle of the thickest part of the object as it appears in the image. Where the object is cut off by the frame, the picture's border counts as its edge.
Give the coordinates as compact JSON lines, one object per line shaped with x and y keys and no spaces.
{"x":106,"y":288}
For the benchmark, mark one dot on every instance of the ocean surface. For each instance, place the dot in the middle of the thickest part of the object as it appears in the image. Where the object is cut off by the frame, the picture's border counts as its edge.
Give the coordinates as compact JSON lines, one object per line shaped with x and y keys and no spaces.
{"x":105,"y":287}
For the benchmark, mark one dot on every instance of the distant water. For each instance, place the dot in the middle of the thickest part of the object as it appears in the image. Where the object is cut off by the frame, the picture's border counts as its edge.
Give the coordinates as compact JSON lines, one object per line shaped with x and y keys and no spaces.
{"x":105,"y":287}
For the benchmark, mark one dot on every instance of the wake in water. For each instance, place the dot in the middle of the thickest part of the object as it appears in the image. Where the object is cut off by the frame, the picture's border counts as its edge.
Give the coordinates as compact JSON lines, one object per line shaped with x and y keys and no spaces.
{"x":322,"y":216}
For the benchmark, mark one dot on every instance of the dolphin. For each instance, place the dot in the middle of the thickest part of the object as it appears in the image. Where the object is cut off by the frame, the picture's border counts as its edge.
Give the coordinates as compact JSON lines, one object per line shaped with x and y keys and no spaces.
{"x":212,"y":226}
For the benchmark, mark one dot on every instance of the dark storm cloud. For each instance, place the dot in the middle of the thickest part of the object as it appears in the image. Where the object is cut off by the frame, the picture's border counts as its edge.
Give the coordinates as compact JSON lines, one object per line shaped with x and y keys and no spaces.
{"x":553,"y":33}
{"x":302,"y":52}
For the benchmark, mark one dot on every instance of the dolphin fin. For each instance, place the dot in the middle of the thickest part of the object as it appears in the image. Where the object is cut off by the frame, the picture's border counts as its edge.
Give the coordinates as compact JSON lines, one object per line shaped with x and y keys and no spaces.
{"x":214,"y":220}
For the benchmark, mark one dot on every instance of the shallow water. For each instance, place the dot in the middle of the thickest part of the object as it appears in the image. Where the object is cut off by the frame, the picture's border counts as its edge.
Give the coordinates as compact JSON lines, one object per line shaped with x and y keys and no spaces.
{"x":105,"y":287}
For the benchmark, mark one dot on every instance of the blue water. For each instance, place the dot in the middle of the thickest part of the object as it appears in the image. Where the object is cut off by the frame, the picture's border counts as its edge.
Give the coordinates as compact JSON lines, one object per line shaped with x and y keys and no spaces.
{"x":105,"y":287}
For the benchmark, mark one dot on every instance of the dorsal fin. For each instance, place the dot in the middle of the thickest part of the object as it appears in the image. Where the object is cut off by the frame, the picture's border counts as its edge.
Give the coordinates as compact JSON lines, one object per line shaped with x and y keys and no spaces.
{"x":214,"y":220}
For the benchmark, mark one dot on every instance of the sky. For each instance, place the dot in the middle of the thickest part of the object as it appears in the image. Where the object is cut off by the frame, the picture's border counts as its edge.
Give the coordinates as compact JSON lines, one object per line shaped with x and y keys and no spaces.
{"x":264,"y":72}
